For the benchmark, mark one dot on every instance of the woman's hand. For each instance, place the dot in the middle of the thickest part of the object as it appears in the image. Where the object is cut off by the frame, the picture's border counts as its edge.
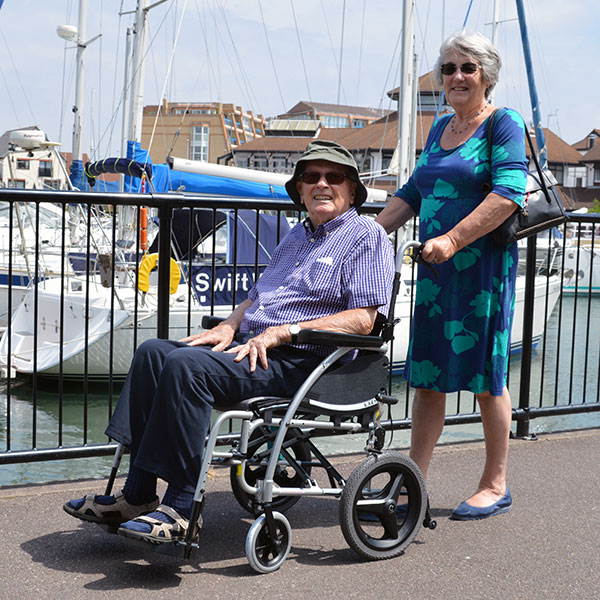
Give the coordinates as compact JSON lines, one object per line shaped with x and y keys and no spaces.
{"x":219,"y":337}
{"x":256,"y":348}
{"x":439,"y":249}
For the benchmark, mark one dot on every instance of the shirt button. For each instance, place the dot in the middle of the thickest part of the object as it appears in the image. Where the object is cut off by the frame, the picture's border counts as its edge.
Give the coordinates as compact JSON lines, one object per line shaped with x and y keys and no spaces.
{"x":281,"y":287}
{"x":251,"y":332}
{"x":298,"y":264}
{"x":312,"y":240}
{"x":261,"y":307}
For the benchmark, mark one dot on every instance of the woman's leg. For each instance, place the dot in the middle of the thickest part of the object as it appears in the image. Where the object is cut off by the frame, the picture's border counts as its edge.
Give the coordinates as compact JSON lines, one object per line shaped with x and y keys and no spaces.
{"x":496,"y":413}
{"x":428,"y":414}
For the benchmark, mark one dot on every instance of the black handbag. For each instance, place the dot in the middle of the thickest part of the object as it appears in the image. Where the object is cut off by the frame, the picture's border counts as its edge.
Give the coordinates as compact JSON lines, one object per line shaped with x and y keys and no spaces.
{"x":542,"y":206}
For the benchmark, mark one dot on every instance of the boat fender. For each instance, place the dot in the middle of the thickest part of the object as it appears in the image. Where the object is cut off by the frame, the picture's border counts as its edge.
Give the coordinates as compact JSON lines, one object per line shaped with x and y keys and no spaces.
{"x":148,"y":264}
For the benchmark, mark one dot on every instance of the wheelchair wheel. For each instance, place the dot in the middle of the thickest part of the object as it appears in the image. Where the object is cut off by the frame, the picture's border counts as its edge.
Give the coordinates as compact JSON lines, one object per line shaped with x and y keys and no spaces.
{"x":383,"y":506}
{"x":267,"y":553}
{"x":256,"y":467}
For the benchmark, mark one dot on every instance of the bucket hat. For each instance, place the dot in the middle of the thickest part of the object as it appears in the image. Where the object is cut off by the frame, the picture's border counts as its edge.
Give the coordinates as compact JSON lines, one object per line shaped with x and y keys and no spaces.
{"x":333,"y":152}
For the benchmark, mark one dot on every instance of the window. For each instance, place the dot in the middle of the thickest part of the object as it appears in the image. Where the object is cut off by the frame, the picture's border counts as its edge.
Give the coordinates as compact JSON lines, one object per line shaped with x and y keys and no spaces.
{"x":596,"y":174}
{"x":16,"y":184}
{"x":329,"y":121}
{"x":45,"y":168}
{"x":23,"y":164}
{"x":358,"y":123}
{"x":53,"y":184}
{"x":260,"y":163}
{"x":558,"y":171}
{"x":203,"y":111}
{"x":199,"y":146}
{"x":279,"y":164}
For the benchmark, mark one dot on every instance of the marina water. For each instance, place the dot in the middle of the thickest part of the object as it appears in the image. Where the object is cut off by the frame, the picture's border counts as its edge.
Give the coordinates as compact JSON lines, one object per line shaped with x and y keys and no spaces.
{"x":567,"y":353}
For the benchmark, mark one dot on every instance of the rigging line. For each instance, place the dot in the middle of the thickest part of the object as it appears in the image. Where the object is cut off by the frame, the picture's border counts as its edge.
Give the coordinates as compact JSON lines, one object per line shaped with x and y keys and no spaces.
{"x":329,"y":35}
{"x":12,"y":62}
{"x":341,"y":50}
{"x":126,"y":88}
{"x":362,"y":35}
{"x":245,"y":80}
{"x":301,"y":53}
{"x":441,"y":102}
{"x":114,"y":90}
{"x":271,"y":53}
{"x":167,"y":75}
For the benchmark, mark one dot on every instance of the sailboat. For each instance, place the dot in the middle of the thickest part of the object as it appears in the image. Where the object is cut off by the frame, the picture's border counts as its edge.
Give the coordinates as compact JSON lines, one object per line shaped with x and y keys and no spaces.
{"x":106,"y":322}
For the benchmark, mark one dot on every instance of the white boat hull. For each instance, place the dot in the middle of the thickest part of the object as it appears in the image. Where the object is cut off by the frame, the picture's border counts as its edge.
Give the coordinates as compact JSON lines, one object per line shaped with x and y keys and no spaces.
{"x":92,"y":351}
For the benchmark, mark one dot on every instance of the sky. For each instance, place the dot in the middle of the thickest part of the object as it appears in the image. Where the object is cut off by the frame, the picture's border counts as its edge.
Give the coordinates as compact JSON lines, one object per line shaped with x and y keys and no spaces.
{"x":267,"y":55}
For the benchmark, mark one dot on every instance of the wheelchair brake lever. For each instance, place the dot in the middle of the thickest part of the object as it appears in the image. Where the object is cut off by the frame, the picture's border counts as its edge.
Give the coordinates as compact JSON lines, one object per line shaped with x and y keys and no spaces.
{"x":417,"y":258}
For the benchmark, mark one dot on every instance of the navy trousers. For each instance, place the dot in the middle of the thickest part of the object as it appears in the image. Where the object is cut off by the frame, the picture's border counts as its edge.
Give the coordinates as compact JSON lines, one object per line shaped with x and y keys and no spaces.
{"x":164,"y":409}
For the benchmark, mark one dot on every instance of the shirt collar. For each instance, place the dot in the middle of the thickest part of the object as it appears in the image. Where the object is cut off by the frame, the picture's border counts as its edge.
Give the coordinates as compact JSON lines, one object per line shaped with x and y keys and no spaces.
{"x":329,"y":226}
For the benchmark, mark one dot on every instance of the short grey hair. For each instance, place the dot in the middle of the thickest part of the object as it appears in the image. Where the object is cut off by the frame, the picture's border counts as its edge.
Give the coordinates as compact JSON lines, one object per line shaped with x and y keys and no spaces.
{"x":473,"y":45}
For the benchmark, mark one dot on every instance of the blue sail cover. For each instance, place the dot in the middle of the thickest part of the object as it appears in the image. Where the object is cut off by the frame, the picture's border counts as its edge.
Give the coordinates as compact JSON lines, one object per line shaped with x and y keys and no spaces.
{"x":124,"y":166}
{"x":165,"y":179}
{"x":76,"y":174}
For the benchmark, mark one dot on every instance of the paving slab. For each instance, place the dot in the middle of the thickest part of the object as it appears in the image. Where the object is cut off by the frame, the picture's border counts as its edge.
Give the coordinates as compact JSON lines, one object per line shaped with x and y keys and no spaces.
{"x":547,"y":547}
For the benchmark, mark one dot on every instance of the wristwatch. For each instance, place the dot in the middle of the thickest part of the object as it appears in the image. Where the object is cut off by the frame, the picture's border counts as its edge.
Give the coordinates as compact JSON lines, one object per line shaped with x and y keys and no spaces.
{"x":294,"y":330}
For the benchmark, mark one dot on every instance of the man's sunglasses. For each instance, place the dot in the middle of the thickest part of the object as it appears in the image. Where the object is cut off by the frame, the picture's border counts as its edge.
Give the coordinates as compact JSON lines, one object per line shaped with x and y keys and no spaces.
{"x":332,"y":178}
{"x":467,"y":68}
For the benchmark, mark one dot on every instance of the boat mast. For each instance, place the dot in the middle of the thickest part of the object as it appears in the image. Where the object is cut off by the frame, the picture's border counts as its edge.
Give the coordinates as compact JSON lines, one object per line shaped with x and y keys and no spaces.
{"x":535,"y":106}
{"x":80,"y":80}
{"x":405,"y":92}
{"x":137,"y":73}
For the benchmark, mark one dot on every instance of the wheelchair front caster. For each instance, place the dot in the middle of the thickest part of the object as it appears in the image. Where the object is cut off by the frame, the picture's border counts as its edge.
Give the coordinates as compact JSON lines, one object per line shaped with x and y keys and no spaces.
{"x":383,"y":506}
{"x":265,"y":550}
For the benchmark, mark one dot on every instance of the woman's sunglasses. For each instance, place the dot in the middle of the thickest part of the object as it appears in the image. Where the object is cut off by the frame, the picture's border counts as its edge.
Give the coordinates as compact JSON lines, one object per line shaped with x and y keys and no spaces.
{"x":332,"y":178}
{"x":467,"y":68}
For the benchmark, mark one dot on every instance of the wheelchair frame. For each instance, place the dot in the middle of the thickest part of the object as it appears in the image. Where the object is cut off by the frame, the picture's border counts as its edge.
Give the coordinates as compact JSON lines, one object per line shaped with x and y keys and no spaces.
{"x":390,"y":526}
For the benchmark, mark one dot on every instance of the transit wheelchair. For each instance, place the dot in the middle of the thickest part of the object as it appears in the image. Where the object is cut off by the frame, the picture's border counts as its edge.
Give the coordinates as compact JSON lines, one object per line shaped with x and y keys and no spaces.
{"x":270,"y":450}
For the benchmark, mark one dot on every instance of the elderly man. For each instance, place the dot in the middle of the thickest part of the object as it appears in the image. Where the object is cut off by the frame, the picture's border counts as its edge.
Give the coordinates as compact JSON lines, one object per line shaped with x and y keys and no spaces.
{"x":332,"y":271}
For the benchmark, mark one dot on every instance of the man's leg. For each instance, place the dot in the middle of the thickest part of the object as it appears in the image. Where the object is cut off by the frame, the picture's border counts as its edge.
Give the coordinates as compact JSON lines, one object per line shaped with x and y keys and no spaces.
{"x":192,"y":382}
{"x":127,"y":426}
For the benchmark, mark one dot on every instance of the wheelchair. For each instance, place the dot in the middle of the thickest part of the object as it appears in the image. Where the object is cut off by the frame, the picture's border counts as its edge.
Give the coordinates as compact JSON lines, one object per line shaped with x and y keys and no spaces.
{"x":270,"y":451}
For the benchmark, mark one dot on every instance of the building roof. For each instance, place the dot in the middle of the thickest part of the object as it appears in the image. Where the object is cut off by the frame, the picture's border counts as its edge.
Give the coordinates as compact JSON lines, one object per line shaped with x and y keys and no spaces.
{"x":584,"y":144}
{"x":557,"y":149}
{"x":304,"y":107}
{"x":427,"y":85}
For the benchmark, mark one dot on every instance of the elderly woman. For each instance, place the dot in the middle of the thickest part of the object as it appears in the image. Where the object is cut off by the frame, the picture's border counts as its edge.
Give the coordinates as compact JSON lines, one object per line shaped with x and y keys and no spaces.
{"x":462,"y":320}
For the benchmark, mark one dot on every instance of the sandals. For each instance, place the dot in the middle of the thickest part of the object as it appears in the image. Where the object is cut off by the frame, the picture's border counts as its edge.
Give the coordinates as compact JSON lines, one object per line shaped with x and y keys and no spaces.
{"x":161,"y":532}
{"x":108,"y":514}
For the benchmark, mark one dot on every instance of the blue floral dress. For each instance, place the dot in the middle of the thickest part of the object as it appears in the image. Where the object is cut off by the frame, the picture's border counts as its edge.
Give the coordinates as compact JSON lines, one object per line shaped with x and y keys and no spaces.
{"x":460,"y":336}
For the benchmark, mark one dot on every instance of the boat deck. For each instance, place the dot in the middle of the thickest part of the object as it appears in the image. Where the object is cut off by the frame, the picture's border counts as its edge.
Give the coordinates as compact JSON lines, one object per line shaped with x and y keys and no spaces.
{"x":546,"y":547}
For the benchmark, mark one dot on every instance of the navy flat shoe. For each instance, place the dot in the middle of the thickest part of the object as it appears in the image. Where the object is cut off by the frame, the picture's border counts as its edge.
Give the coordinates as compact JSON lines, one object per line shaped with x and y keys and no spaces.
{"x":466,"y":512}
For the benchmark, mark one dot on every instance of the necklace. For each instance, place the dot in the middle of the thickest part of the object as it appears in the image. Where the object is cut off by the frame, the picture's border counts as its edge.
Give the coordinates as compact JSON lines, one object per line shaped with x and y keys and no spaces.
{"x":453,"y":120}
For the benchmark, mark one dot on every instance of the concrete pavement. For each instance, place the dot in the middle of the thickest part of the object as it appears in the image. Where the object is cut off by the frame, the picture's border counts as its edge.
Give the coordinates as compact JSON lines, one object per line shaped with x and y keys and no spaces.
{"x":547,"y":547}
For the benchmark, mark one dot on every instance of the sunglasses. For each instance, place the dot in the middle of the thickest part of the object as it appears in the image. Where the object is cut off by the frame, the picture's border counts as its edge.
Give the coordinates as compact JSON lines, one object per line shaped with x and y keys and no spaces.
{"x":467,"y":68}
{"x":332,"y":178}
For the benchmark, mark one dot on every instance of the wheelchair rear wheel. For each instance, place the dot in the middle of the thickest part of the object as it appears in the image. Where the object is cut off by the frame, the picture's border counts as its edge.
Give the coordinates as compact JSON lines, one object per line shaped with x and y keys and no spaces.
{"x":256,"y":467}
{"x":383,"y":505}
{"x":266,"y":553}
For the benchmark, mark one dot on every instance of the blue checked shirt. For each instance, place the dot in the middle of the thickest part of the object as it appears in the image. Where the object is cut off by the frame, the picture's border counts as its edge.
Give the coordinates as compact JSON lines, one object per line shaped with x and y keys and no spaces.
{"x":343,"y":264}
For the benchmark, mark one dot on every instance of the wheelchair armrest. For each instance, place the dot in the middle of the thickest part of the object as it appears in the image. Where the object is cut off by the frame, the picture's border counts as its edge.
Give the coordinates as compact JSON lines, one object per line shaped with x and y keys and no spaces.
{"x":330,"y":338}
{"x":210,"y":321}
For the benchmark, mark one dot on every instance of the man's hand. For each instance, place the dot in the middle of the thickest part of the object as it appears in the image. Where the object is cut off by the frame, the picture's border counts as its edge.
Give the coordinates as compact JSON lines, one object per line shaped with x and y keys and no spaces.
{"x":256,"y":348}
{"x":219,"y":337}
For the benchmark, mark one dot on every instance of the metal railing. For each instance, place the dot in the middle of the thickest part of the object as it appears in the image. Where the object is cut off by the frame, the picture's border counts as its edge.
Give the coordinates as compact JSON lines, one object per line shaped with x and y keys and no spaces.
{"x":560,"y":377}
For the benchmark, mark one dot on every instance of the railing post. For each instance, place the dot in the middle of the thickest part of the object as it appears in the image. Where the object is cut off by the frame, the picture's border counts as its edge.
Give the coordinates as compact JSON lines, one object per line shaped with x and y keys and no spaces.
{"x":527,"y":344}
{"x":164,"y":269}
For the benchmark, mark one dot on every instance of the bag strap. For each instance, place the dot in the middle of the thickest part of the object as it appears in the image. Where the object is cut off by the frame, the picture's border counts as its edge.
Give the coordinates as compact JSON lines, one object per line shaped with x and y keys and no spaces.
{"x":490,"y":128}
{"x":537,"y":165}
